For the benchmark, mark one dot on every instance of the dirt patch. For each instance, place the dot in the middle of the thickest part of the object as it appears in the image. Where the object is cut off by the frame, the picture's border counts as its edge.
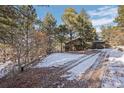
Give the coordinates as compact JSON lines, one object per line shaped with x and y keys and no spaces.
{"x":39,"y":77}
{"x":95,"y":80}
{"x":30,"y":78}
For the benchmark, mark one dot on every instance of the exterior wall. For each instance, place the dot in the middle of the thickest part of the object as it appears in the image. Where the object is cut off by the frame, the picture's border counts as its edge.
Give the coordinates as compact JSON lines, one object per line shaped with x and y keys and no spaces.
{"x":76,"y":45}
{"x":98,"y":45}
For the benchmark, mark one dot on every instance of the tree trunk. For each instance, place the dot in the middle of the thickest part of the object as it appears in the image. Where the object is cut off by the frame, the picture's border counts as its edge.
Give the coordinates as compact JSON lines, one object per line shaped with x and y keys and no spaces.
{"x":18,"y":58}
{"x":27,"y":44}
{"x":71,"y":39}
{"x":61,"y":47}
{"x":49,"y":45}
{"x":4,"y":54}
{"x":49,"y":49}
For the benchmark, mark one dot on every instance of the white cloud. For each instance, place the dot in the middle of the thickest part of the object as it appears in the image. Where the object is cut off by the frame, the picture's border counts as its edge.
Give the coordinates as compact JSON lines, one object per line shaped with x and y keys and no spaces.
{"x":103,"y":11}
{"x":102,"y":21}
{"x":102,"y":16}
{"x":103,"y":8}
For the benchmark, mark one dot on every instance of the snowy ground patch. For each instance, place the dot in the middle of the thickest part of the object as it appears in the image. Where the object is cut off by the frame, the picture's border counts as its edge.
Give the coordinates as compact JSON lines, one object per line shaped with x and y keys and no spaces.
{"x":114,"y":76}
{"x":82,"y":67}
{"x":4,"y":68}
{"x":57,"y":59}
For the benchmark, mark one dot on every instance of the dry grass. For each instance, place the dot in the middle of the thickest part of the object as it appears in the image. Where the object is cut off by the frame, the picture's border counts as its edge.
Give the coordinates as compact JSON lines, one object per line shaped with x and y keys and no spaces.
{"x":31,"y":78}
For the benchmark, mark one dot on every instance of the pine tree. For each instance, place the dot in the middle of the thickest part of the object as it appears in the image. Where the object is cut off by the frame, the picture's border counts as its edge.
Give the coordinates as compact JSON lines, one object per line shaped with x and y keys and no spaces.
{"x":17,"y":24}
{"x":120,"y":17}
{"x":68,"y":19}
{"x":48,"y":26}
{"x":84,"y":28}
{"x":61,"y":35}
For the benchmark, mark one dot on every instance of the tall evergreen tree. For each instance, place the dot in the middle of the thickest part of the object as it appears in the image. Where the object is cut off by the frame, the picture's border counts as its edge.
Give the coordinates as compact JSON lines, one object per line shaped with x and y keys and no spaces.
{"x":17,"y":23}
{"x":61,"y":35}
{"x":84,"y":27}
{"x":68,"y":19}
{"x":49,"y":25}
{"x":120,"y":17}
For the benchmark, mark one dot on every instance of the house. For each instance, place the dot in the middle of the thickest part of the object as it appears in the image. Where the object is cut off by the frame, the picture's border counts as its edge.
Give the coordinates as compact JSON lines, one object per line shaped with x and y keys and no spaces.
{"x":98,"y":44}
{"x":76,"y":45}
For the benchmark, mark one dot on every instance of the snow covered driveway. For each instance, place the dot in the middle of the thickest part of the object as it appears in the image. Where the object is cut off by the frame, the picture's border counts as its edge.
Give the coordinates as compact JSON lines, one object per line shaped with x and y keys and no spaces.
{"x":73,"y":64}
{"x":85,"y":64}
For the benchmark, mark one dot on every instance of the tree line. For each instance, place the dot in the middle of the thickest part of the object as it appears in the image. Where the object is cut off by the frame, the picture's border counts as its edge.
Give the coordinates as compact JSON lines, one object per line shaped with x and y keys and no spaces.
{"x":24,"y":37}
{"x":114,"y":35}
{"x":75,"y":25}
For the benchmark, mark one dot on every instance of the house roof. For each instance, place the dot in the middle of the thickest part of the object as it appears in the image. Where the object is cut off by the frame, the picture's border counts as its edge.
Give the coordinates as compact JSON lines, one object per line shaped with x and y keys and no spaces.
{"x":99,"y":41}
{"x":73,"y":39}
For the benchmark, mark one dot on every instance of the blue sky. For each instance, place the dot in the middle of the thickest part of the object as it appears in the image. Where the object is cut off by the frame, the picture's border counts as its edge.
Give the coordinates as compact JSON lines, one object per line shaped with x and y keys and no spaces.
{"x":99,"y":14}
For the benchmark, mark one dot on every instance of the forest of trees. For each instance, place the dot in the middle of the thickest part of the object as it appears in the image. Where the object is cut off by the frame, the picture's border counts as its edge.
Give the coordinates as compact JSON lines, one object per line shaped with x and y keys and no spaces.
{"x":114,"y":35}
{"x":24,"y":38}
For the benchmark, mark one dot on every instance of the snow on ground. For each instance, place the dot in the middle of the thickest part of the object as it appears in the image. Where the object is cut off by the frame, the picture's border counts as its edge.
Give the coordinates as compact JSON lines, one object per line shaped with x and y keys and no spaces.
{"x":4,"y":68}
{"x":57,"y":59}
{"x":81,"y":68}
{"x":114,"y":76}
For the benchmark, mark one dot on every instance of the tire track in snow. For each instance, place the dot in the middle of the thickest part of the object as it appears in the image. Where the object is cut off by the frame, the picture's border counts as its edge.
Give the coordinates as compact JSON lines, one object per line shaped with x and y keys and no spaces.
{"x":94,"y":66}
{"x":71,"y":62}
{"x":70,"y":66}
{"x":88,"y":76}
